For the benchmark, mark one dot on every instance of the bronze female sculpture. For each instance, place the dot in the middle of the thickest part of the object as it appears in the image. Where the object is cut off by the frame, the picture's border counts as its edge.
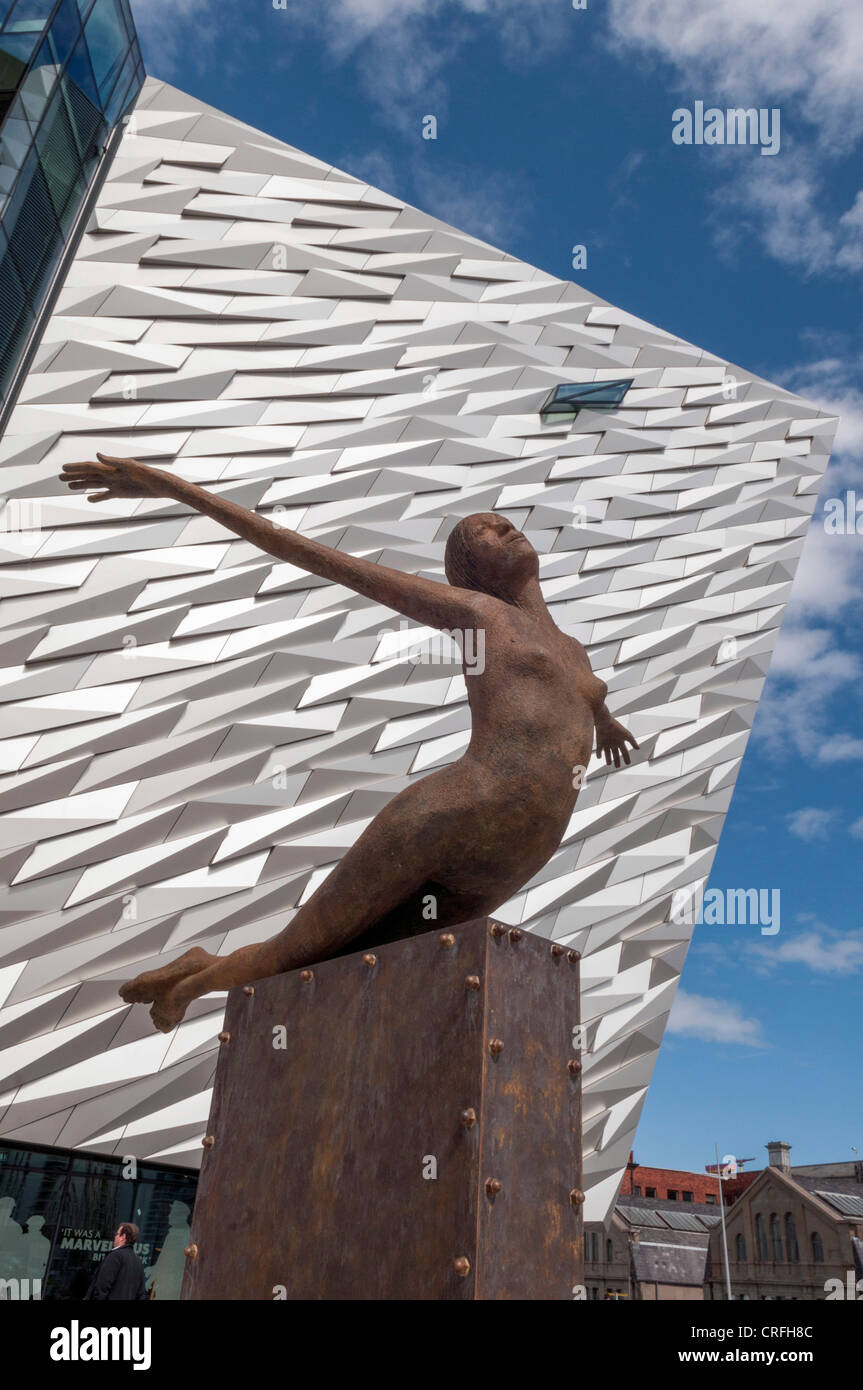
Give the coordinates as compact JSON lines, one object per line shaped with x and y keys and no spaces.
{"x":470,"y":834}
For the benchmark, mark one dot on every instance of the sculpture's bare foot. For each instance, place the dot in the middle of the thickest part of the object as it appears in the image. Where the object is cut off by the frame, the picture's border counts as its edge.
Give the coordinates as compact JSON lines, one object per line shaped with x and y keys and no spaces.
{"x":169,"y":1009}
{"x":169,"y":989}
{"x":153,"y":985}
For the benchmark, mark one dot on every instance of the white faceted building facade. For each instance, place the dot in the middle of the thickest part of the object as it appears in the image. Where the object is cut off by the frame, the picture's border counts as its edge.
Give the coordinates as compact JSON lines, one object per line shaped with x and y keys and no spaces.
{"x":194,"y":733}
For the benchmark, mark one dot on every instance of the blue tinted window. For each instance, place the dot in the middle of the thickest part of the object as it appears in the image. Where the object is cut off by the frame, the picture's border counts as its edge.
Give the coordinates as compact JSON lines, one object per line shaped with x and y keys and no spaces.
{"x":57,"y":109}
{"x":586,"y":395}
{"x":107,"y":42}
{"x":64,"y":30}
{"x":80,"y":71}
{"x":18,"y":46}
{"x":30,"y":15}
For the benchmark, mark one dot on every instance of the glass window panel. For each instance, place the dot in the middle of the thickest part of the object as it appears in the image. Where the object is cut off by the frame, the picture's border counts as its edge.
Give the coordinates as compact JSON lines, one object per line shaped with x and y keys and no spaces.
{"x":107,"y":41}
{"x":14,"y":56}
{"x":76,"y":197}
{"x":93,"y":1208}
{"x":17,"y":49}
{"x":50,"y":150}
{"x":163,"y":1211}
{"x":80,"y":72}
{"x":58,"y":153}
{"x":69,"y":1207}
{"x":64,"y":30}
{"x":86,"y":118}
{"x":13,"y":336}
{"x":16,"y":138}
{"x":35,"y":226}
{"x":29,"y":1211}
{"x":123,"y":6}
{"x":115,"y":103}
{"x":30,"y":15}
{"x":38,"y":85}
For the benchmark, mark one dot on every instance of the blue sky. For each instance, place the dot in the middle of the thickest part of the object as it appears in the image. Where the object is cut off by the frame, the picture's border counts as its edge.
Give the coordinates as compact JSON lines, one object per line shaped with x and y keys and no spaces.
{"x":554,"y":130}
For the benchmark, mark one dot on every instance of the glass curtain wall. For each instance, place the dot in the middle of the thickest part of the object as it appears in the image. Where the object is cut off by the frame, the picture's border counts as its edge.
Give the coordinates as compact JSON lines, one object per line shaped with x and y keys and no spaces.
{"x":59,"y":1211}
{"x":69,"y":71}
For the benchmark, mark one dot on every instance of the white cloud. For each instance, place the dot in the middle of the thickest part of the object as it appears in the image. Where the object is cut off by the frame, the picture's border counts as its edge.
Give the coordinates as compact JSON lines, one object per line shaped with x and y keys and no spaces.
{"x":823,"y":951}
{"x":804,"y":58}
{"x":829,"y":578}
{"x":403,"y":48}
{"x":808,"y":669}
{"x":488,"y":206}
{"x":713,"y":1020}
{"x":163,"y":28}
{"x":832,"y":382}
{"x":808,"y":55}
{"x":372,"y":166}
{"x":811,"y":823}
{"x":784,"y":202}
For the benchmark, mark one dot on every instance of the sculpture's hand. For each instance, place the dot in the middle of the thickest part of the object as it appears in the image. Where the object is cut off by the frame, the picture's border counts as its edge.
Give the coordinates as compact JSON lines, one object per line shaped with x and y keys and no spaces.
{"x":611,"y":741}
{"x":116,"y":478}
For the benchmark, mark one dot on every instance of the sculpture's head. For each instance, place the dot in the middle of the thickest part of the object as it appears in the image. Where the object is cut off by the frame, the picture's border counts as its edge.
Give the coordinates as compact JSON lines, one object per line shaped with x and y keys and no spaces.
{"x":487,"y":553}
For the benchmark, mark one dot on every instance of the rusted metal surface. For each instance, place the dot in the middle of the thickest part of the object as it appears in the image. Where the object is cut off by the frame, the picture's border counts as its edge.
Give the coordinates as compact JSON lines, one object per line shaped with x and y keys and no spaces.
{"x":530,"y":1233}
{"x":319,"y":1182}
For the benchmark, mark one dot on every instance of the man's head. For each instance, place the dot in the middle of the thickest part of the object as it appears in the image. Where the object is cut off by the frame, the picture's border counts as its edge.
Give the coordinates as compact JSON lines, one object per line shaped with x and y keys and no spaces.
{"x":487,"y":553}
{"x":126,"y":1234}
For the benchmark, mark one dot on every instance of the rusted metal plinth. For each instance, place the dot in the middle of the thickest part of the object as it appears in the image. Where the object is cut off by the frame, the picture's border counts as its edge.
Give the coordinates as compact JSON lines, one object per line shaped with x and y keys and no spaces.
{"x":398,"y":1124}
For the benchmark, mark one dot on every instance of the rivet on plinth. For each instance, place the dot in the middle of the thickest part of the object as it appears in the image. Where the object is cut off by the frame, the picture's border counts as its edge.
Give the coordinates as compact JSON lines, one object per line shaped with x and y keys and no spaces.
{"x":370,"y":959}
{"x":447,"y":939}
{"x":574,"y":1067}
{"x":248,"y":990}
{"x":224,"y":1037}
{"x":576,"y":1197}
{"x":515,"y":935}
{"x":472,"y":982}
{"x":492,"y":1187}
{"x":191,"y":1252}
{"x":462,"y":1266}
{"x":468,"y":1118}
{"x":208,"y":1141}
{"x":307,"y":976}
{"x":497,"y":930}
{"x":495,"y":1047}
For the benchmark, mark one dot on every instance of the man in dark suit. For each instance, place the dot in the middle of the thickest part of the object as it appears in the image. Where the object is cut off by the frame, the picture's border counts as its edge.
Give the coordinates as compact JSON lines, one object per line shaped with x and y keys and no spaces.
{"x":121,"y":1273}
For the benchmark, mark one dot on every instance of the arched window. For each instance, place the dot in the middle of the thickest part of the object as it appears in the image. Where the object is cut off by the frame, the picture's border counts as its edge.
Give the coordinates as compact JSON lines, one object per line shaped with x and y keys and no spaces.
{"x":817,"y":1248}
{"x":609,"y":1251}
{"x":791,"y":1238}
{"x":740,"y":1247}
{"x":760,"y":1237}
{"x":776,"y":1236}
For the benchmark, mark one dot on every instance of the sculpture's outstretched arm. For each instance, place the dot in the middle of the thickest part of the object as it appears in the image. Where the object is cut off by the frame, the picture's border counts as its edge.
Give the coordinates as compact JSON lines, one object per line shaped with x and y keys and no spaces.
{"x":611,"y":737}
{"x":424,"y":600}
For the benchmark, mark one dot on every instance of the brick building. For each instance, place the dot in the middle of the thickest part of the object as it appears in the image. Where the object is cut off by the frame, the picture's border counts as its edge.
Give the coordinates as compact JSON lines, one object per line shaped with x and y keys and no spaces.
{"x":681,"y":1185}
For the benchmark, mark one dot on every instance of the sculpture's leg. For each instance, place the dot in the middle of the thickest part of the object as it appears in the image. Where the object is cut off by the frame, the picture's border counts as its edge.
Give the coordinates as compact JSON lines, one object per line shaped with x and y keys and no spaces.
{"x":387,"y":866}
